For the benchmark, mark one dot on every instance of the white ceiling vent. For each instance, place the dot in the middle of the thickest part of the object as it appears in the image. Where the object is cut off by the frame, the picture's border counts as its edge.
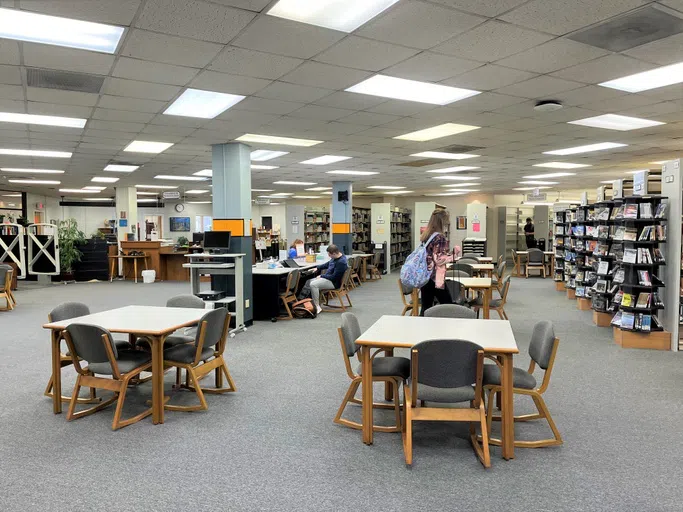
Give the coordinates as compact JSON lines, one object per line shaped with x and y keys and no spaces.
{"x":63,"y":80}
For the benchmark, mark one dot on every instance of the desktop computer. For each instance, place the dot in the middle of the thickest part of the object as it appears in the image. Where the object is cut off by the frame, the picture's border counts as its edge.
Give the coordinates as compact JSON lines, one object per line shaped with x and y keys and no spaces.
{"x":217,"y":242}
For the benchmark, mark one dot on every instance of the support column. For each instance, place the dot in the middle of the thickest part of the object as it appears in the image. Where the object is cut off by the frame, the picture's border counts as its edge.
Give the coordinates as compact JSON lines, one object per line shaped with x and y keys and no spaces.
{"x":126,"y":212}
{"x":232,"y":212}
{"x":342,"y":211}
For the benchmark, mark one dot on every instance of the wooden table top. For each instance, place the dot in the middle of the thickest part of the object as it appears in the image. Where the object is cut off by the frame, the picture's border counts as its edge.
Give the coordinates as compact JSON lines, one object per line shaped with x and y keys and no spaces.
{"x":126,"y":256}
{"x":472,"y":282}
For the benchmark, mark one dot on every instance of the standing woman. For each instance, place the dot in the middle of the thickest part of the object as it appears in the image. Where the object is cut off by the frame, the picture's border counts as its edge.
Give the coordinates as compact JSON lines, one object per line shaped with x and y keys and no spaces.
{"x":438,"y":256}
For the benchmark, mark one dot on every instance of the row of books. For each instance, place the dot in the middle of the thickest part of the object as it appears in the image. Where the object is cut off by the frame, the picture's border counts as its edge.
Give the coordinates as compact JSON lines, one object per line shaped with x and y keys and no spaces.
{"x":630,"y":211}
{"x":635,"y":321}
{"x":652,"y":233}
{"x":643,"y":255}
{"x":643,"y":300}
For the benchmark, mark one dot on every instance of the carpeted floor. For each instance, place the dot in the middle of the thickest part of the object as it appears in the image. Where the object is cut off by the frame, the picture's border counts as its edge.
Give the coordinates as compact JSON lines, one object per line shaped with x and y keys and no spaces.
{"x":273,"y":446}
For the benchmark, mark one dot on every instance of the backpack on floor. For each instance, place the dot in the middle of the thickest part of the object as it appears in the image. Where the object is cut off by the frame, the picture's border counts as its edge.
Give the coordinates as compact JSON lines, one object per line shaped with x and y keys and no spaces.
{"x":304,"y":309}
{"x":415,"y":272}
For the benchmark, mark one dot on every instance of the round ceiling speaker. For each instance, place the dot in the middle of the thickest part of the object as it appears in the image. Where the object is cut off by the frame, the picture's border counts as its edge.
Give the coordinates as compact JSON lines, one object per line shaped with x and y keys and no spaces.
{"x":548,"y":106}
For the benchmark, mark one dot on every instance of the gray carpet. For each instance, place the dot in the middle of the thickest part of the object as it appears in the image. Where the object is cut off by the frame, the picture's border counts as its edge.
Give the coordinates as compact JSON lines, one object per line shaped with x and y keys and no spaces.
{"x":273,"y":446}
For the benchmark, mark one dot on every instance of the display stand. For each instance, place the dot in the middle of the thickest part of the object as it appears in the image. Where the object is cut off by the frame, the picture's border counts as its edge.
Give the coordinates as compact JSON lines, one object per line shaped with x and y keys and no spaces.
{"x":560,"y":231}
{"x":605,"y":253}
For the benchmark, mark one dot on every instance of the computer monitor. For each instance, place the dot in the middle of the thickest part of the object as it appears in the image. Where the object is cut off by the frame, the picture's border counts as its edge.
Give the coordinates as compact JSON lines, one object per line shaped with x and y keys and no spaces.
{"x":217,"y":241}
{"x":197,"y":238}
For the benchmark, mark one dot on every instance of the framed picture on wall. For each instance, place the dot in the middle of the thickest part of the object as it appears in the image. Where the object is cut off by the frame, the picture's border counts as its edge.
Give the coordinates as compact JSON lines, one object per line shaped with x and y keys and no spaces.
{"x":461,"y":222}
{"x":180,"y":223}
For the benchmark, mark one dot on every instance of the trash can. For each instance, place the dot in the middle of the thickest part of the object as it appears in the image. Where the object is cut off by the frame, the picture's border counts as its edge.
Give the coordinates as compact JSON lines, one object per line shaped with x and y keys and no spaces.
{"x":541,"y":244}
{"x":148,"y":276}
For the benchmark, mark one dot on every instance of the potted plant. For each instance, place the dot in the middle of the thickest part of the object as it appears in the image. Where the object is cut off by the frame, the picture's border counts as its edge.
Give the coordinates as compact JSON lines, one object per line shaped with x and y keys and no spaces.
{"x":22,"y":221}
{"x":183,"y":241}
{"x":69,"y":238}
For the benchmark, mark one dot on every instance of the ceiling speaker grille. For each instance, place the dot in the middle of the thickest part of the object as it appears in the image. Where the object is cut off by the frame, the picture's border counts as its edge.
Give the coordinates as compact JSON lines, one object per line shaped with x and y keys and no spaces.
{"x":64,"y":80}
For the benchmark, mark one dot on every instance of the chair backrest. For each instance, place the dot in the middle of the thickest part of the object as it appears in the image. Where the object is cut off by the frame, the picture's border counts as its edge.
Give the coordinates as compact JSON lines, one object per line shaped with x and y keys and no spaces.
{"x":501,"y":269}
{"x":350,"y":332}
{"x":450,"y":311}
{"x":405,"y":289}
{"x":212,"y":326}
{"x":500,"y":259}
{"x":355,"y":264}
{"x":468,"y":261}
{"x":377,"y":257}
{"x":4,"y":272}
{"x":68,"y":310}
{"x":463,"y":267}
{"x":458,"y":273}
{"x":472,"y":255}
{"x":506,"y":288}
{"x":447,"y":363}
{"x":345,"y":279}
{"x":185,"y":301}
{"x":89,"y":343}
{"x":535,"y":256}
{"x":455,"y":288}
{"x":292,"y":281}
{"x":542,"y":343}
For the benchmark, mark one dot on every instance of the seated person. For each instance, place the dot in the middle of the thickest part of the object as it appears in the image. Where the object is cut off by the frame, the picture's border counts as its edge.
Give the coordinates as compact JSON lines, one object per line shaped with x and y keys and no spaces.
{"x":331,"y":274}
{"x":292,"y":248}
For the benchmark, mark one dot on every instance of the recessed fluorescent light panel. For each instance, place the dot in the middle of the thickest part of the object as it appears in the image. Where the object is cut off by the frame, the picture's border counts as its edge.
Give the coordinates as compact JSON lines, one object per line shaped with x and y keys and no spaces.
{"x":397,"y":192}
{"x":453,"y":169}
{"x":538,"y":182}
{"x":303,"y":183}
{"x":140,"y":193}
{"x":457,"y":178}
{"x":305,"y":197}
{"x":31,"y":171}
{"x":318,"y":189}
{"x":385,"y":187}
{"x":148,"y":200}
{"x":325,"y":160}
{"x":92,"y":187}
{"x":100,"y":179}
{"x":121,"y":168}
{"x":145,"y":146}
{"x":196,"y":191}
{"x":203,"y":104}
{"x":273,"y":139}
{"x":653,"y":79}
{"x":98,"y":199}
{"x":262,"y":190}
{"x":35,"y":152}
{"x":445,"y":156}
{"x":436,"y":132}
{"x":66,"y":122}
{"x":199,"y":202}
{"x":204,"y":172}
{"x":529,"y":188}
{"x":160,"y":187}
{"x":11,"y":195}
{"x":561,"y":165}
{"x":661,"y":162}
{"x":261,"y":155}
{"x":550,"y":175}
{"x":616,"y":122}
{"x":35,"y":182}
{"x":57,"y":31}
{"x":461,"y":185}
{"x":263,"y":167}
{"x":79,"y":191}
{"x":342,"y":15}
{"x":601,"y":146}
{"x":411,"y":90}
{"x":448,"y":194}
{"x":354,"y":173}
{"x":179,"y":178}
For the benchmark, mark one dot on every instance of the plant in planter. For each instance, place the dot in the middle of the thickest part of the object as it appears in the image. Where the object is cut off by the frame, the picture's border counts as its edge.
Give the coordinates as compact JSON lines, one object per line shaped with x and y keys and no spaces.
{"x":69,"y":239}
{"x":98,"y":235}
{"x":183,"y":241}
{"x":22,"y":221}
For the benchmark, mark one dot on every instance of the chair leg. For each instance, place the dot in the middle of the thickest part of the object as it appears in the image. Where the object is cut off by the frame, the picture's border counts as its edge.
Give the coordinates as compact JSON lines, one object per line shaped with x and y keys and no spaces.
{"x":405,"y":310}
{"x":72,"y":414}
{"x":408,"y":430}
{"x":117,"y":423}
{"x":397,"y":405}
{"x":350,"y":393}
{"x":348,"y":297}
{"x":349,"y":397}
{"x":482,"y":451}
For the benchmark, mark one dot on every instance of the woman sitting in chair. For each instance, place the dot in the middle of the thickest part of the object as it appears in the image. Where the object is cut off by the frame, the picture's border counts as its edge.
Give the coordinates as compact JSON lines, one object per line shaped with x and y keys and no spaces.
{"x":292,"y":248}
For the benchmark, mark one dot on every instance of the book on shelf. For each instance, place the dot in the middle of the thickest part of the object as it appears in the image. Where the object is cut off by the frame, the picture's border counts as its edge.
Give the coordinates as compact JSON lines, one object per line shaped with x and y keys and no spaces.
{"x":628,"y":320}
{"x":657,"y":300}
{"x":590,"y":277}
{"x":658,"y":255}
{"x":630,"y":234}
{"x":601,"y":286}
{"x":644,"y":255}
{"x":620,"y":232}
{"x":580,"y":275}
{"x":580,"y":291}
{"x":643,"y":301}
{"x":578,"y":230}
{"x":630,"y":211}
{"x":603,"y":231}
{"x":619,"y":213}
{"x":558,"y":275}
{"x":646,"y":323}
{"x":660,"y":211}
{"x":619,"y":276}
{"x":630,"y":255}
{"x":616,"y":319}
{"x":599,"y":303}
{"x":572,"y":282}
{"x":579,"y":245}
{"x":645,"y":211}
{"x":604,"y":213}
{"x":660,"y":233}
{"x":603,"y":268}
{"x":591,"y":245}
{"x":601,"y":250}
{"x":627,"y":300}
{"x":580,"y":215}
{"x":618,"y":297}
{"x":645,"y":233}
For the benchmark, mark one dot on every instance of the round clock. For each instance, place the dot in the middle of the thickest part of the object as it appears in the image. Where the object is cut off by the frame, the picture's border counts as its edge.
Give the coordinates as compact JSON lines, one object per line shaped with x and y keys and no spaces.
{"x":179,"y":207}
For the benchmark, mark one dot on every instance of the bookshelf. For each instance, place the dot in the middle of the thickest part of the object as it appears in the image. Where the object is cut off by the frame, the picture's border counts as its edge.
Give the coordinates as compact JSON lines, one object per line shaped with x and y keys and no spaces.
{"x":583,"y":272}
{"x":570,"y":252}
{"x":392,"y":225}
{"x":361,"y":229}
{"x":641,"y":227}
{"x":316,"y":229}
{"x":561,"y":229}
{"x":606,"y":253}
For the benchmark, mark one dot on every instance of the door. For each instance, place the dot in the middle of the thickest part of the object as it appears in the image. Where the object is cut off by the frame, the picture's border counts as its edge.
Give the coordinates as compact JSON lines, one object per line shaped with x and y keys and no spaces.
{"x":38,"y":218}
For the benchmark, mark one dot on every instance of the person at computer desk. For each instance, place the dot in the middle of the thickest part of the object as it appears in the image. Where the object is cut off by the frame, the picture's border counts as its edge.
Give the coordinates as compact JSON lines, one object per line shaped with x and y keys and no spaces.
{"x":292,"y":248}
{"x":331,"y":274}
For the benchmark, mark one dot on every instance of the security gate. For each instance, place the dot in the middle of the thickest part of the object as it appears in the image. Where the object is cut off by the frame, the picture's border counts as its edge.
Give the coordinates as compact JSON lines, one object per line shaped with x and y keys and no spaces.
{"x":43,"y":250}
{"x":12,"y":246}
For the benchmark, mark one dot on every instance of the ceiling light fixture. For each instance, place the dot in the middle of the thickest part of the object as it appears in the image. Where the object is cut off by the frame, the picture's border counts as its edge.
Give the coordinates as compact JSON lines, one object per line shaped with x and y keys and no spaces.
{"x":104,"y":179}
{"x":600,"y":146}
{"x":661,"y":162}
{"x":354,"y":173}
{"x":79,"y":191}
{"x":385,"y":187}
{"x":148,"y":201}
{"x":411,"y":90}
{"x":436,"y":132}
{"x":35,"y":152}
{"x":202,"y":104}
{"x":208,"y":173}
{"x":145,"y":146}
{"x":304,"y":183}
{"x":93,"y":187}
{"x":305,"y":197}
{"x":653,"y":79}
{"x":453,"y":169}
{"x":318,"y":189}
{"x":529,"y":188}
{"x":462,"y":193}
{"x":65,"y":122}
{"x":179,"y":178}
{"x":460,"y":185}
{"x":36,"y":182}
{"x":616,"y":122}
{"x":325,"y":160}
{"x":199,"y":202}
{"x":121,"y":168}
{"x":263,"y":167}
{"x":140,"y":193}
{"x":342,"y":15}
{"x":99,"y":199}
{"x":538,"y":182}
{"x":550,"y":175}
{"x":444,"y":156}
{"x":274,"y":139}
{"x":561,"y":165}
{"x":397,"y":192}
{"x":261,"y":155}
{"x":11,"y":195}
{"x":31,"y":171}
{"x":197,"y":192}
{"x":57,"y":31}
{"x":168,"y":187}
{"x":457,"y":178}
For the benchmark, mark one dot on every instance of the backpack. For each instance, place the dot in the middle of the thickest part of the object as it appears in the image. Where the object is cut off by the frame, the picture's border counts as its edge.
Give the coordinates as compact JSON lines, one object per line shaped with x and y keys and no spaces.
{"x":415,"y":272}
{"x":304,"y":309}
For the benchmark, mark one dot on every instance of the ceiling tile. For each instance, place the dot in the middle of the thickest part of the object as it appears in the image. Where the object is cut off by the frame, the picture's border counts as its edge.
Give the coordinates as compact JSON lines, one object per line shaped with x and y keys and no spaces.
{"x":321,"y":113}
{"x":52,"y":109}
{"x":603,"y":69}
{"x":135,"y":104}
{"x":195,"y":19}
{"x":144,"y":70}
{"x":489,"y":8}
{"x":115,"y":126}
{"x":57,"y":96}
{"x":553,"y":55}
{"x":252,"y":5}
{"x":241,"y":61}
{"x":485,"y":102}
{"x":231,"y":84}
{"x":292,"y":92}
{"x":360,"y":53}
{"x":560,"y":17}
{"x":142,"y":44}
{"x":267,"y":106}
{"x":9,"y":52}
{"x":489,"y":77}
{"x":286,"y":37}
{"x":588,"y":94}
{"x":11,"y":92}
{"x":492,"y":41}
{"x":54,"y":57}
{"x":325,"y":75}
{"x":122,"y":115}
{"x":118,"y":12}
{"x":429,"y":24}
{"x":401,"y":108}
{"x":432,"y":67}
{"x":10,"y":75}
{"x":665,"y":51}
{"x":136,"y":89}
{"x":539,"y":87}
{"x":369,"y":118}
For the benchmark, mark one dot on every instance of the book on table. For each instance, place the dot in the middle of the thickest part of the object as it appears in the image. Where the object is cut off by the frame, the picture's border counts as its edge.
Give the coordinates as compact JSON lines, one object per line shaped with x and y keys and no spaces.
{"x":616,"y":319}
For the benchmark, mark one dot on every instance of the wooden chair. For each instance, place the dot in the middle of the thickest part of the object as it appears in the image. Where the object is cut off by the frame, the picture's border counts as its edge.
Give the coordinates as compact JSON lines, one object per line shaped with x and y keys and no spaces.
{"x":450,"y":311}
{"x":95,"y":346}
{"x":517,"y":263}
{"x":6,"y":287}
{"x":392,"y":370}
{"x":408,"y":304}
{"x":498,"y":275}
{"x":373,"y":268}
{"x":338,"y":293}
{"x":202,"y":357}
{"x":497,"y":304}
{"x":442,"y":371}
{"x":289,"y":294}
{"x":355,"y":272}
{"x":542,"y":350}
{"x":535,"y":260}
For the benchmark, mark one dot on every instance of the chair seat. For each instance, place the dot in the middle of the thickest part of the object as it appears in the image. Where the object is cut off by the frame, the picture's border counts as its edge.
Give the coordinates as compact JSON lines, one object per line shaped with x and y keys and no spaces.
{"x":520,"y":378}
{"x":120,"y":345}
{"x":445,"y":395}
{"x":535,"y":264}
{"x":370,"y":266}
{"x":185,"y":353}
{"x":389,"y":367}
{"x":495,"y":303}
{"x":177,"y":339}
{"x":128,"y":360}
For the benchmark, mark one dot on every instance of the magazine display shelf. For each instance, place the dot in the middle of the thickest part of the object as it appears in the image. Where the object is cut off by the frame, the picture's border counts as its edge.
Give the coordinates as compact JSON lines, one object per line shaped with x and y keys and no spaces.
{"x":561,"y":229}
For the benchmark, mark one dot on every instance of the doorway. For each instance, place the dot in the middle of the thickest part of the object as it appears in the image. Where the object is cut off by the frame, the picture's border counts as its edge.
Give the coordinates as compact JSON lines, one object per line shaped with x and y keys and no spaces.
{"x":39,"y":218}
{"x":267,"y":222}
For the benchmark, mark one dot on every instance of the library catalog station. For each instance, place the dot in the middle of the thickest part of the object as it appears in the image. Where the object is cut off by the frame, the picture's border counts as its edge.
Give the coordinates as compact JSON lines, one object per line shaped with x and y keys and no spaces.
{"x":329,"y":247}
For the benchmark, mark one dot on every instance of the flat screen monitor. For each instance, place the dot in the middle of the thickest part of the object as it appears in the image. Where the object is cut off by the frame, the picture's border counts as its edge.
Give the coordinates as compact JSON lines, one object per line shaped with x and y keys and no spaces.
{"x":217,"y":240}
{"x":197,"y":238}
